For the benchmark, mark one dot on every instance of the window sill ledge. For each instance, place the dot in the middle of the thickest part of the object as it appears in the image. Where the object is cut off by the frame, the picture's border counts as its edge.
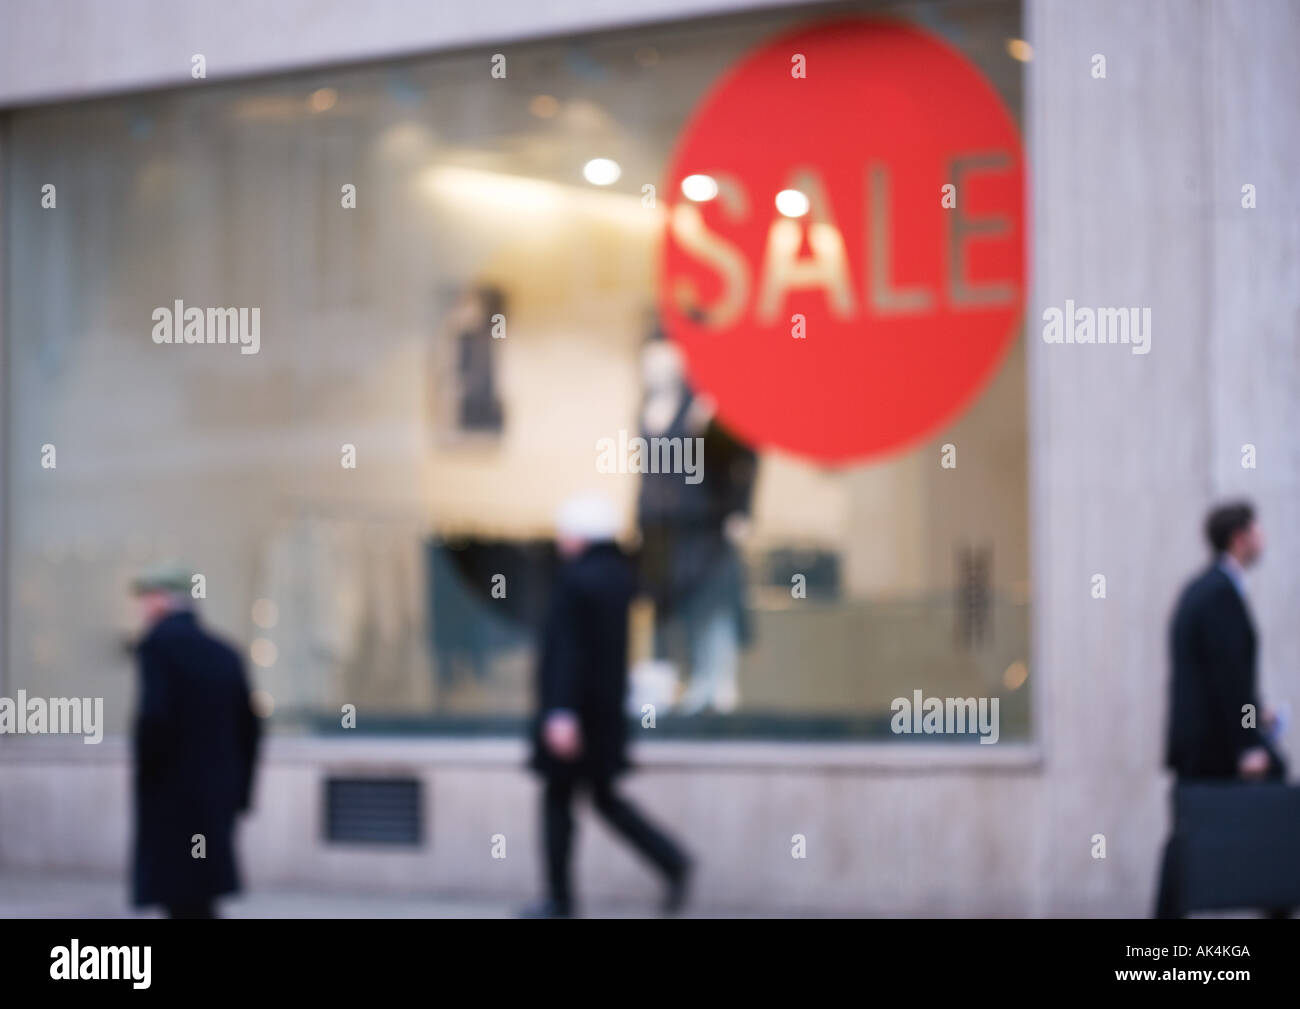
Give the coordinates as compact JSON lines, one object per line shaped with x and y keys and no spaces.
{"x":502,"y":751}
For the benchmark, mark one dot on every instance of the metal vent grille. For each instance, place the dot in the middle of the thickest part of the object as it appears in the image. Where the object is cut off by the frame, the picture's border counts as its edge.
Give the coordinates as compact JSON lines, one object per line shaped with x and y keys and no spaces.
{"x":373,"y":810}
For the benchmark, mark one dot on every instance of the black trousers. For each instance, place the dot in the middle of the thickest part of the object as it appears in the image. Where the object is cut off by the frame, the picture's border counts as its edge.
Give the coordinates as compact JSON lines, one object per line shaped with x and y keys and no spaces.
{"x":557,"y":815}
{"x":1169,"y":891}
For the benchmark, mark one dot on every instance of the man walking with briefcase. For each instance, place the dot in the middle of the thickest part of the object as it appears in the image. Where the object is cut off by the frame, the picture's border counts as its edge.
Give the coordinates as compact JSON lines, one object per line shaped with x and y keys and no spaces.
{"x":1217,"y":727}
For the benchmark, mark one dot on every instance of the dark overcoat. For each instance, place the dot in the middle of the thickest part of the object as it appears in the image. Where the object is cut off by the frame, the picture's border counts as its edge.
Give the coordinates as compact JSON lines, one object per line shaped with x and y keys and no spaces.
{"x":1213,"y":647}
{"x":196,"y":739}
{"x":582,"y":663}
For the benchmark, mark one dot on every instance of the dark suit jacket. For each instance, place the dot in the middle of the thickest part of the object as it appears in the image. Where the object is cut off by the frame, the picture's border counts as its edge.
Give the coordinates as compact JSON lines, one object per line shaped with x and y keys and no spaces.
{"x":1213,"y":646}
{"x":196,"y":739}
{"x":582,"y":665}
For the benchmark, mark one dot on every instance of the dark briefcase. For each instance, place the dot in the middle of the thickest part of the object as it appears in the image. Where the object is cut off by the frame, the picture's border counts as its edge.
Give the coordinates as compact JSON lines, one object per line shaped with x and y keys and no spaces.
{"x":1238,"y":845}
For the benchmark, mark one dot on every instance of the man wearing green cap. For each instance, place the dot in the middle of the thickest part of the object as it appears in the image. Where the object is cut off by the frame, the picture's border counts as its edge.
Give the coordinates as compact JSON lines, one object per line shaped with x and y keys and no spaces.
{"x":196,"y":738}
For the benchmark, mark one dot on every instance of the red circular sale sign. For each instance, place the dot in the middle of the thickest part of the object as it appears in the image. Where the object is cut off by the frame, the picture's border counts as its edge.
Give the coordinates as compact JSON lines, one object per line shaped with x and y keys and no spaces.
{"x":844,"y":258}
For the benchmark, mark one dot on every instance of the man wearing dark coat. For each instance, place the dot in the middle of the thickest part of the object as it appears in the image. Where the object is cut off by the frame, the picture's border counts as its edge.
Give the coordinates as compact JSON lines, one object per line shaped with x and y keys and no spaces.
{"x":579,"y":734}
{"x":1215,"y":715}
{"x":196,"y":739}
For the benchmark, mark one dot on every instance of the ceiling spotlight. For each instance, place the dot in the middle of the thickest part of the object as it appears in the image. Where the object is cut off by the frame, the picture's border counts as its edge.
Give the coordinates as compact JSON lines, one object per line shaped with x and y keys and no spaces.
{"x":1019,"y":49}
{"x":792,"y":203}
{"x":544,"y":106}
{"x":700,"y":188}
{"x":323,"y":99}
{"x":601,"y":171}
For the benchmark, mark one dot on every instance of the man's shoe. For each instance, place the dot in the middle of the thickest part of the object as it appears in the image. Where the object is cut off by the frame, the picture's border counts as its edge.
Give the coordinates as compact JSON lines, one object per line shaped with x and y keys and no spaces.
{"x":678,"y":883}
{"x":547,"y":909}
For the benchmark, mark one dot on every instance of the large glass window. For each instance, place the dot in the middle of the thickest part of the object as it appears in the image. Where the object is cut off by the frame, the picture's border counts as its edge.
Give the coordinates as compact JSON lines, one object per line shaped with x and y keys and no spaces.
{"x":445,"y":299}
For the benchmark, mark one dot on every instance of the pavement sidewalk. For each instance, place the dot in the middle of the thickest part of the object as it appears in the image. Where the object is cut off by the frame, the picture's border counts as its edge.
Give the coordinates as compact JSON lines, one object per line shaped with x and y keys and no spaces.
{"x":26,"y":895}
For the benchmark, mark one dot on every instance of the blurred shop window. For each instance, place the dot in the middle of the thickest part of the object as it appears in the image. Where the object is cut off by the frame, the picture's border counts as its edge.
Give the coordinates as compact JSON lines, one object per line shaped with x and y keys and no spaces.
{"x":377,"y":586}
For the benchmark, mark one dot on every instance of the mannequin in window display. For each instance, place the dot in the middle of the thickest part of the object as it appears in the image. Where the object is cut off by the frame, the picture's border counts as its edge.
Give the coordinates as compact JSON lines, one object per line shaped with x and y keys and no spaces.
{"x":463,"y":391}
{"x":691,"y":565}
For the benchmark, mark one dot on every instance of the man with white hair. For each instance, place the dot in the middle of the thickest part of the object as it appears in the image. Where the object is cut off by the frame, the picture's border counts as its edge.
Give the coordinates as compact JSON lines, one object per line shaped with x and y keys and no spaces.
{"x":580,"y":731}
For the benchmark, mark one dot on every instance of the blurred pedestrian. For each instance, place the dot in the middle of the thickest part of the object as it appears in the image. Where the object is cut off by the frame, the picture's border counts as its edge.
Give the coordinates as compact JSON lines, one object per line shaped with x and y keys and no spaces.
{"x":579,"y":737}
{"x":1217,"y":730}
{"x":1214,"y":646}
{"x":196,"y":740}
